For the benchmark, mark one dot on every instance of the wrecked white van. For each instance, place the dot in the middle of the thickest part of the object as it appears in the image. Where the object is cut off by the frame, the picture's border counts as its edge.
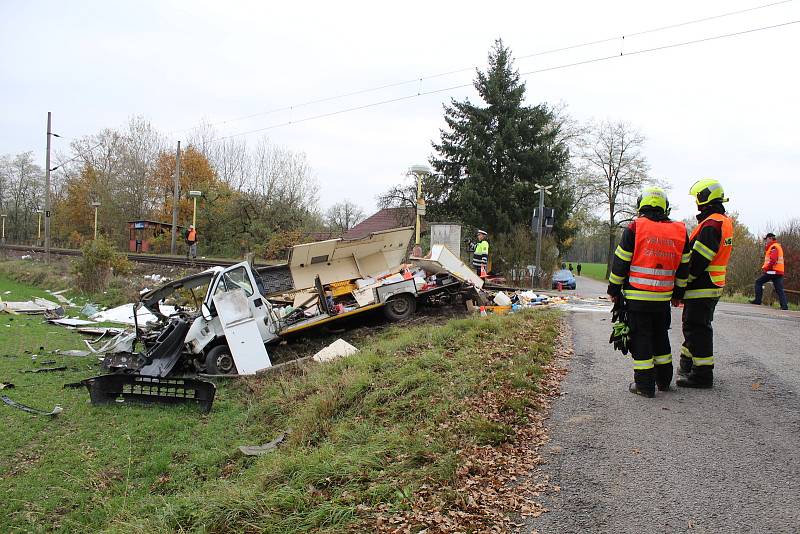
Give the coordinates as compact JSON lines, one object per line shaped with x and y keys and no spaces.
{"x":245,"y":308}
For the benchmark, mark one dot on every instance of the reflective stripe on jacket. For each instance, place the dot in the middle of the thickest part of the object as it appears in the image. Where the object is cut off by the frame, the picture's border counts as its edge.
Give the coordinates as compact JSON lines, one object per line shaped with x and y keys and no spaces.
{"x":719,"y":260}
{"x":657,"y":254}
{"x":778,"y":267}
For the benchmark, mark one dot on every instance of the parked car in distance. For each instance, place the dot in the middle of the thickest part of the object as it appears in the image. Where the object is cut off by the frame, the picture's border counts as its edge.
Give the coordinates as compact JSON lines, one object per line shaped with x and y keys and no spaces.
{"x":565,"y":278}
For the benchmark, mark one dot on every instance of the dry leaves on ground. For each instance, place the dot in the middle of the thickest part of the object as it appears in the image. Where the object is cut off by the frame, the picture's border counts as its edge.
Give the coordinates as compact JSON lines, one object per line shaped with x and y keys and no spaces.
{"x":494,"y":483}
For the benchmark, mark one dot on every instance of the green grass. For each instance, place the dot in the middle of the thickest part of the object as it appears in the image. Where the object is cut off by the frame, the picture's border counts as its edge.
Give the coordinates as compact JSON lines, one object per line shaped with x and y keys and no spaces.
{"x":740,"y":298}
{"x":368,"y":431}
{"x":592,"y":270}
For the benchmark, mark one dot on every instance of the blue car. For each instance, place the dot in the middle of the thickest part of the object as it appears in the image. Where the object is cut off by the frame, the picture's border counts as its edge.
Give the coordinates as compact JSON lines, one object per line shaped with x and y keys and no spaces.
{"x":565,"y":278}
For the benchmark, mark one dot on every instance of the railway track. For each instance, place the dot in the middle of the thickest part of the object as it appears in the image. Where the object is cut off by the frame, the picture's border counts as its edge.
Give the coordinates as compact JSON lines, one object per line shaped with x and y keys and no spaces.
{"x":138,"y":258}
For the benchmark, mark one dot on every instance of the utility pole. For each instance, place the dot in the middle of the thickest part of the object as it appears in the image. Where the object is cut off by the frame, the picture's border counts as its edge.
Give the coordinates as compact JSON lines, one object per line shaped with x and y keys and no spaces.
{"x":175,"y":193}
{"x":539,"y":223}
{"x":47,"y":196}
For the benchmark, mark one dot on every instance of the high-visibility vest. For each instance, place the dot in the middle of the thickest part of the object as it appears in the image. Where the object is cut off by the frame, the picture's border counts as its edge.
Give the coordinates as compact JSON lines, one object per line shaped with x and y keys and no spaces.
{"x":657,"y":255}
{"x":481,"y":254}
{"x":719,"y":264}
{"x":192,"y":235}
{"x":778,"y":267}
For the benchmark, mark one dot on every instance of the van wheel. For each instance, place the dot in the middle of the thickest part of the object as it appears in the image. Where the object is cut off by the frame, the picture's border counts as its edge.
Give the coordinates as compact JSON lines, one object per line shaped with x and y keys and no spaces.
{"x":219,"y":361}
{"x":400,"y":307}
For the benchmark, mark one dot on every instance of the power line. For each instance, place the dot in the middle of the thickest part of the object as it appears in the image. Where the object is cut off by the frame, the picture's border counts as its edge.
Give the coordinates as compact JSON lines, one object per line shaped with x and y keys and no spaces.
{"x":528,"y":73}
{"x":76,"y":157}
{"x":458,"y":71}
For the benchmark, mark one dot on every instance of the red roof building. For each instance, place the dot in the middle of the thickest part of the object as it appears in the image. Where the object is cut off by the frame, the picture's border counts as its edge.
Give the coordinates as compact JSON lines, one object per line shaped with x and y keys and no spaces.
{"x":385,"y":219}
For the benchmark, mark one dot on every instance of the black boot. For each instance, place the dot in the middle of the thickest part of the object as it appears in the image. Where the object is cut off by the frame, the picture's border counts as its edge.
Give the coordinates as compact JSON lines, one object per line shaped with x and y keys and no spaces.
{"x":685,"y":367}
{"x":694,"y":381}
{"x":754,"y":302}
{"x":634,"y":388}
{"x":665,"y":387}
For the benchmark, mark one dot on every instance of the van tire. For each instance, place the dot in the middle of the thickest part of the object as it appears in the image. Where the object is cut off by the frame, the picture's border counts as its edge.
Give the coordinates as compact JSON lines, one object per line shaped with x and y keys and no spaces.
{"x":400,"y":307}
{"x":219,"y":361}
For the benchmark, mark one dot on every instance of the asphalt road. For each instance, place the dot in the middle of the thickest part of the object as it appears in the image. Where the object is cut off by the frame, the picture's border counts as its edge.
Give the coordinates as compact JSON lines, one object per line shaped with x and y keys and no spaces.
{"x":721,"y":460}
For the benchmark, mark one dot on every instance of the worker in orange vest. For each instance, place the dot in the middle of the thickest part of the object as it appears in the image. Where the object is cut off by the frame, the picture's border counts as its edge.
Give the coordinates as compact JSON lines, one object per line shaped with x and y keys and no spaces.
{"x":191,"y":240}
{"x":650,"y":268}
{"x":711,"y":243}
{"x":774,"y":269}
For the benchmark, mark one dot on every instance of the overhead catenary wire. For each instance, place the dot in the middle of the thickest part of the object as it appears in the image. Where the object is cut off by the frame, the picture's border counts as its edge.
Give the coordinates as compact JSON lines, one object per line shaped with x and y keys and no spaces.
{"x":466,"y":69}
{"x":76,"y":156}
{"x":527,"y":73}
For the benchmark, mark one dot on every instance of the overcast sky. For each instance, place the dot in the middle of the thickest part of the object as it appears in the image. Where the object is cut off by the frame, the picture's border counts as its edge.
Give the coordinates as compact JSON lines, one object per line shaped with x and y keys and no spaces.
{"x":726,"y":108}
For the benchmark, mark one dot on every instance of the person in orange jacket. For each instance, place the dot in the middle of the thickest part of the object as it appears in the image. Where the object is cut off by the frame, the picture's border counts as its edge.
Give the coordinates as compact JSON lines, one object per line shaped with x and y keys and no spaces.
{"x":191,"y":241}
{"x":773,"y":269}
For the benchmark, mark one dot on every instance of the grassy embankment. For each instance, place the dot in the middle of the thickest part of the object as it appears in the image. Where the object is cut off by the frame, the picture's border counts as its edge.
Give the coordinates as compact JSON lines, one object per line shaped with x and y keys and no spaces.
{"x":368,"y":432}
{"x":592,"y":270}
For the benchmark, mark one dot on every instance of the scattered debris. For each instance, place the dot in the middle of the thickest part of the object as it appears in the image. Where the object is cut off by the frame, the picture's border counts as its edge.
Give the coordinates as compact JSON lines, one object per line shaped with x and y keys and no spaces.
{"x":101,"y":331}
{"x":6,"y":385}
{"x":89,"y":309}
{"x":32,"y":307}
{"x":71,"y":322}
{"x":49,"y":369}
{"x":335,"y":350}
{"x":125,"y":315}
{"x":108,"y":389}
{"x":14,"y":404}
{"x":258,"y":450}
{"x":79,"y":353}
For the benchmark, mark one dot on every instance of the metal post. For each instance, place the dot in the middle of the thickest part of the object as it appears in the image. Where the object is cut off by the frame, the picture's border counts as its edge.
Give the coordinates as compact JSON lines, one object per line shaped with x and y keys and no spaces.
{"x":47,"y":195}
{"x":175,"y":192}
{"x":4,"y":229}
{"x":39,"y":230}
{"x":194,"y":212}
{"x":95,"y":223}
{"x":419,"y":199}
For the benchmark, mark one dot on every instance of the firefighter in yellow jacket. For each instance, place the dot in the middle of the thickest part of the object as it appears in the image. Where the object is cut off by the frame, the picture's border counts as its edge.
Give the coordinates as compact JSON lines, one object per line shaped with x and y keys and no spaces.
{"x":711,"y":243}
{"x":650,"y":268}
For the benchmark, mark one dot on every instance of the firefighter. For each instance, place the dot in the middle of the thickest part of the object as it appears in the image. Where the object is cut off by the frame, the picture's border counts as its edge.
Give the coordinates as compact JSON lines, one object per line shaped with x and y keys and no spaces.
{"x":774,"y":269}
{"x":650,"y":268}
{"x":480,"y":258}
{"x":710,"y":243}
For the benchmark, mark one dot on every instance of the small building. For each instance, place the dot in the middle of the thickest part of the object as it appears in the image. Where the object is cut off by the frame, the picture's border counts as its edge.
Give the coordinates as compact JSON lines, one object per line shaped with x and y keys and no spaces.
{"x":142,"y":232}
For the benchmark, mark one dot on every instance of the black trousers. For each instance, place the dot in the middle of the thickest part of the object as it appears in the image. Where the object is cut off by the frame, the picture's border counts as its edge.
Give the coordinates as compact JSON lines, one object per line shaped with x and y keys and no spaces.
{"x":697,"y":352}
{"x":650,"y":348}
{"x":777,"y":282}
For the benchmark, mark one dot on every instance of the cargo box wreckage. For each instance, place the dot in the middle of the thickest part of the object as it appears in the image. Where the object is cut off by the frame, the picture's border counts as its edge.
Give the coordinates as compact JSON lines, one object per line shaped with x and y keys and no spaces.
{"x":245,"y":308}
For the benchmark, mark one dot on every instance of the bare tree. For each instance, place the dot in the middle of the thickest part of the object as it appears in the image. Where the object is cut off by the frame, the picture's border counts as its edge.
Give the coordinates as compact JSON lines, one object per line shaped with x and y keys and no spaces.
{"x":21,"y":183}
{"x":342,"y":216}
{"x":614,"y":170}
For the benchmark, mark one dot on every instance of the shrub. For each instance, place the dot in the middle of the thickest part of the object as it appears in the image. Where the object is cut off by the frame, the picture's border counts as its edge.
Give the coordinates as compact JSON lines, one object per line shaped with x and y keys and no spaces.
{"x":98,"y":263}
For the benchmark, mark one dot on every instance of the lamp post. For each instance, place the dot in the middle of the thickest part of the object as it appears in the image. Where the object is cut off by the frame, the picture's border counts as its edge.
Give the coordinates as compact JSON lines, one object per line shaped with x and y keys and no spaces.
{"x":3,"y":241}
{"x":194,"y":195}
{"x":39,"y":228}
{"x":419,"y":171}
{"x":95,"y":205}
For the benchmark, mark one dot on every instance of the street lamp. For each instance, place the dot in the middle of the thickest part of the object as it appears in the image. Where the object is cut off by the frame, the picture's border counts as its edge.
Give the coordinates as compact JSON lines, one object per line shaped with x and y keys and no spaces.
{"x":39,"y":231}
{"x":194,"y":195}
{"x":3,"y":215}
{"x":95,"y":205}
{"x":419,"y":171}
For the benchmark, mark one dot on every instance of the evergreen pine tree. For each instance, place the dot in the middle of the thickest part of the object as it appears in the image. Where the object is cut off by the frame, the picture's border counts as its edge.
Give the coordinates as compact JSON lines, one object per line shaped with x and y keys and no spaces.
{"x":490,"y":156}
